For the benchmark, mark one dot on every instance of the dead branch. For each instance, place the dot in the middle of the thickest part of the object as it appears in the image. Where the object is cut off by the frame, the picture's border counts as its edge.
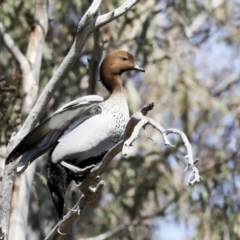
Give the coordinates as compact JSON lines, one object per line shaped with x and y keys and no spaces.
{"x":89,"y":193}
{"x":95,"y":61}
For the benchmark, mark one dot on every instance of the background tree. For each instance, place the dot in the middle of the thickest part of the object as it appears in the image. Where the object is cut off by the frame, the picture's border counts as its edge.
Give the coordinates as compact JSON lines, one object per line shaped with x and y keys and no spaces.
{"x":190,"y":51}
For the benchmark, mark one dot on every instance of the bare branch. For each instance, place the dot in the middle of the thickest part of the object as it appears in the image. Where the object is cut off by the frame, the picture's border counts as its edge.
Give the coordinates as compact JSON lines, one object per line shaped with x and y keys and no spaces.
{"x":148,"y":121}
{"x":108,"y":17}
{"x":189,"y":156}
{"x":75,"y":212}
{"x":95,"y":60}
{"x":13,"y":49}
{"x":89,"y":194}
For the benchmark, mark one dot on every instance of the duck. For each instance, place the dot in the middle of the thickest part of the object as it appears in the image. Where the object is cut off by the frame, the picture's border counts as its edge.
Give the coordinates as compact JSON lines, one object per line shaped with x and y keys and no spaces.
{"x":79,"y":134}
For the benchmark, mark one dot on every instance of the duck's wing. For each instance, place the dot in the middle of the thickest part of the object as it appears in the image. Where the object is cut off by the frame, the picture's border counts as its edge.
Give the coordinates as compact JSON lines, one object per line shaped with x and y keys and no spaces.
{"x":46,"y":135}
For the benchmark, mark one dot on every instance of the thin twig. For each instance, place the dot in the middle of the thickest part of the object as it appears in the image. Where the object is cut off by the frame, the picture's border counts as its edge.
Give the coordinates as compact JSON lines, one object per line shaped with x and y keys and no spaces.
{"x":189,"y":156}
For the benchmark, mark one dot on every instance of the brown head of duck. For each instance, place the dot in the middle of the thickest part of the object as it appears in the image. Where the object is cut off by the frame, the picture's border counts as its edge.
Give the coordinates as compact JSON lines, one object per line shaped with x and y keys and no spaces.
{"x":116,"y":63}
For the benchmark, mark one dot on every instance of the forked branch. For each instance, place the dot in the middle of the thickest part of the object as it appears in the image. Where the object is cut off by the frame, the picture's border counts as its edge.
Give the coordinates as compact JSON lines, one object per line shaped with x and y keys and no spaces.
{"x":89,"y":193}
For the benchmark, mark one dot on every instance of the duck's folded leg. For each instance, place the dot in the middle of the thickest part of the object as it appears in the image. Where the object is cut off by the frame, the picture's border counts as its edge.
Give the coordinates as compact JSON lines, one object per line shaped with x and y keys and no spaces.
{"x":76,"y":173}
{"x":75,"y":168}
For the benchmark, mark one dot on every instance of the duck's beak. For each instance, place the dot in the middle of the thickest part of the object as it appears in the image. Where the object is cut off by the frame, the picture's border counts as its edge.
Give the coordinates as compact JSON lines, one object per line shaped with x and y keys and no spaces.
{"x":138,"y":68}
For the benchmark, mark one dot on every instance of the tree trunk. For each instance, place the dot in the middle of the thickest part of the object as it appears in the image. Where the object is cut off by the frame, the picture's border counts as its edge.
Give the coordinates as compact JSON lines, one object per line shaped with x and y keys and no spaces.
{"x":22,"y":184}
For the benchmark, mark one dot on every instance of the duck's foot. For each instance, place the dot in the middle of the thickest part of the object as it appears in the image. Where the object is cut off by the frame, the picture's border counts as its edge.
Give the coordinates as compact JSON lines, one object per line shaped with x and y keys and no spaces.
{"x":77,"y":209}
{"x":75,"y":168}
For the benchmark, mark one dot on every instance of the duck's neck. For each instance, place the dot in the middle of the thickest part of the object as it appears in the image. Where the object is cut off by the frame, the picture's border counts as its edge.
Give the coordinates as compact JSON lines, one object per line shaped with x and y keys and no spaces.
{"x":113,"y":84}
{"x":116,"y":90}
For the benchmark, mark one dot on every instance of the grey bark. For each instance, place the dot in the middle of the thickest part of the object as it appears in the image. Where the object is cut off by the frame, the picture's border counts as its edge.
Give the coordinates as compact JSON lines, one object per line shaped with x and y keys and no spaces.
{"x":30,"y":66}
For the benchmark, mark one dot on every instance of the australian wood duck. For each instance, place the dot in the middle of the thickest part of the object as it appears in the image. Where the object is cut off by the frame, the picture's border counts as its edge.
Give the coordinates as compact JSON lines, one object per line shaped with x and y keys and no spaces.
{"x":80,"y":133}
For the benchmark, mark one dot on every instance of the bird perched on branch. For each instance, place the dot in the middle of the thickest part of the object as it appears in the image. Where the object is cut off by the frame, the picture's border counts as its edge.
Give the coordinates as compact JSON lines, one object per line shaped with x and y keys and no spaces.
{"x":79,"y":134}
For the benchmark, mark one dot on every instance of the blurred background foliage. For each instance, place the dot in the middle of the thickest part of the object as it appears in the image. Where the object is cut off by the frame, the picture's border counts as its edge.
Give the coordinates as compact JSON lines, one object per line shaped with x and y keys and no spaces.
{"x":190,"y":51}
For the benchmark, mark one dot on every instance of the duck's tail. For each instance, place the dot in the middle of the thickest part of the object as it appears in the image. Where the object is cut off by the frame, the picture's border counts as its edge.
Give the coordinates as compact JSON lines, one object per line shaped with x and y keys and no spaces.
{"x":57,"y":181}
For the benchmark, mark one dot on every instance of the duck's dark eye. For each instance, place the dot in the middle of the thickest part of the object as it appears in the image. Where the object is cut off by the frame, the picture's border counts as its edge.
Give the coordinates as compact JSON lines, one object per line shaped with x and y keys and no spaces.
{"x":124,"y":58}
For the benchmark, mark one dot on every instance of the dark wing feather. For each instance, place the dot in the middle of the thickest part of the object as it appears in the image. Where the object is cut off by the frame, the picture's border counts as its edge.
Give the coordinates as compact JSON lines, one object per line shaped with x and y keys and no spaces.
{"x":57,"y":180}
{"x":46,"y":135}
{"x":33,"y":138}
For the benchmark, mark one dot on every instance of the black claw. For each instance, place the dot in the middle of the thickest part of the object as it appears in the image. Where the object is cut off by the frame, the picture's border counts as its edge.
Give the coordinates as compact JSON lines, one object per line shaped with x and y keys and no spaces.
{"x":98,"y":178}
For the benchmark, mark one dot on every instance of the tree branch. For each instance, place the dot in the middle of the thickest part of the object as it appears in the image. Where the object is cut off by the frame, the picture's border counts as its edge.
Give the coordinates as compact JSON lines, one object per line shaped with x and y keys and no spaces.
{"x":89,"y":194}
{"x":95,"y":61}
{"x":108,"y":17}
{"x":13,"y":49}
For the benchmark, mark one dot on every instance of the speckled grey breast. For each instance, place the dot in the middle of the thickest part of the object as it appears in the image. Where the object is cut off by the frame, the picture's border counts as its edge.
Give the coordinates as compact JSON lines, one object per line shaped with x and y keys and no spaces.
{"x":117,"y":106}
